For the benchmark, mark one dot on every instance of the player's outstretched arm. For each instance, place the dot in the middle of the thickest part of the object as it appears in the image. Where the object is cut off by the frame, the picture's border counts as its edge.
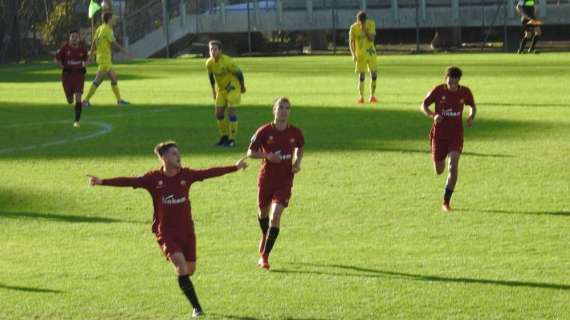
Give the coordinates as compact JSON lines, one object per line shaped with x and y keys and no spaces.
{"x":135,"y":182}
{"x":271,"y":157}
{"x":202,"y":174}
{"x":298,"y":158}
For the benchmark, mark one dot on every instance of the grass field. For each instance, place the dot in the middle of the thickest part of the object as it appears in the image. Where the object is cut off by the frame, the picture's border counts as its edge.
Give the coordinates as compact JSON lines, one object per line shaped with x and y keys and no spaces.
{"x":364,"y":237}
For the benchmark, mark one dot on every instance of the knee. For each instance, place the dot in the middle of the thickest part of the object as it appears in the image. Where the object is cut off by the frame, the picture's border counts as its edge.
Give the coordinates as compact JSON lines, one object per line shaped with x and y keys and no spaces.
{"x":362,"y":76}
{"x":114,"y":82}
{"x":182,"y":269}
{"x":191,"y":269}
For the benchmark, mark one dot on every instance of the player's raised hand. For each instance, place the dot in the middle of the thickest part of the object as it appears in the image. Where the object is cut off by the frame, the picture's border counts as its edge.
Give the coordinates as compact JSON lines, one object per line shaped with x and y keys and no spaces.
{"x":273,"y":157}
{"x":437,"y":118}
{"x":470,"y":121}
{"x":241,"y":164}
{"x":94,"y":181}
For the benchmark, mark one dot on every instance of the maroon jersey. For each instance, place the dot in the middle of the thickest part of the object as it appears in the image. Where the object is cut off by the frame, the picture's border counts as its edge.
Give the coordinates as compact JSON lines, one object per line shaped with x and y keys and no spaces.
{"x":72,"y":58}
{"x":269,"y":139}
{"x":449,"y":105}
{"x":170,"y":196}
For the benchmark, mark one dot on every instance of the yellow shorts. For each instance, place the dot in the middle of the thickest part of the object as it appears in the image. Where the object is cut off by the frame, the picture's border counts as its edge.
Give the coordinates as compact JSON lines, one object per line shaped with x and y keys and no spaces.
{"x":366,"y":63}
{"x":104,"y":67}
{"x":229,"y":96}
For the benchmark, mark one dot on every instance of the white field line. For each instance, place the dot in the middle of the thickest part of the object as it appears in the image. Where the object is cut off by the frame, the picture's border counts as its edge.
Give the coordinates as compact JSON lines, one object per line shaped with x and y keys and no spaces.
{"x":104,"y":128}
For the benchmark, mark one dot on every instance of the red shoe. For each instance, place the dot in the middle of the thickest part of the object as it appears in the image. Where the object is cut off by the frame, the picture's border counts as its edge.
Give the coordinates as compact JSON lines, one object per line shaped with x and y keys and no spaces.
{"x":360,"y":100}
{"x":262,"y":243}
{"x":446,"y":207}
{"x":373,"y":99}
{"x":263,"y":262}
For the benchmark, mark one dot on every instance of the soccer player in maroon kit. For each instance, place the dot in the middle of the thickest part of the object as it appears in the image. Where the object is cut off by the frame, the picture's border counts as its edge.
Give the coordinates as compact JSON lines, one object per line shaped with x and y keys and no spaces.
{"x":72,"y":58}
{"x":280,"y":145}
{"x":172,"y":225}
{"x":446,"y":135}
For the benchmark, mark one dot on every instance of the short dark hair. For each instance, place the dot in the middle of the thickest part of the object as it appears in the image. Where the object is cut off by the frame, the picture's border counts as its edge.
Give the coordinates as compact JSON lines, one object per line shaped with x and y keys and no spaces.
{"x":453,"y":72}
{"x":216,"y":43}
{"x":73,"y":31}
{"x":162,"y":148}
{"x":361,"y":16}
{"x":107,"y":16}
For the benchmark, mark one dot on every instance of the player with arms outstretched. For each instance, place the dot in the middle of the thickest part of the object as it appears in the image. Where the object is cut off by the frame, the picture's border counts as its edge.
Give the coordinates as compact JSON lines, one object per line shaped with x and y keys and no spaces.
{"x":363,"y":50}
{"x":446,"y":135}
{"x":280,"y":145}
{"x":228,"y":84}
{"x":173,"y":226}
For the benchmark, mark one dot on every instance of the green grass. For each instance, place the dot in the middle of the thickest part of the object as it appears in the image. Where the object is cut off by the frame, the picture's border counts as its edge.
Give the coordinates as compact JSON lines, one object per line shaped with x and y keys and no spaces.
{"x":364,"y":237}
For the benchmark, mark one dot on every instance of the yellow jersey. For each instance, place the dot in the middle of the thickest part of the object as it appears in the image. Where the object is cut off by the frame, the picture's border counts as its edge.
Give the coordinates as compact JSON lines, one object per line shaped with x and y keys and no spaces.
{"x":363,"y":45}
{"x":224,"y":71}
{"x":104,"y":37}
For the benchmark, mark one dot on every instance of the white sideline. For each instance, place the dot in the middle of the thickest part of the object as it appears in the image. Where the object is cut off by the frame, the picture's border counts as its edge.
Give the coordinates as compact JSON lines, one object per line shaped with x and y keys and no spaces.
{"x":104,"y":128}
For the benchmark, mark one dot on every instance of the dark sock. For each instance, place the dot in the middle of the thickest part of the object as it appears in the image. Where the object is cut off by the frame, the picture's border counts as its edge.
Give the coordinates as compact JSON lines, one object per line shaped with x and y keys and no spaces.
{"x":271,"y":238}
{"x":188,"y":290}
{"x":77,"y":111}
{"x":447,"y":195}
{"x":523,"y":44}
{"x":263,"y":224}
{"x":533,"y":43}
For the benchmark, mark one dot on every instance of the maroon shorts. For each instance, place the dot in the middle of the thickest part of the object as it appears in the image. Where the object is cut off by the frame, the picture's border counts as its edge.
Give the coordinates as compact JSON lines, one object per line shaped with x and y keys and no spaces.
{"x":72,"y":84}
{"x":267,"y":195}
{"x":440,"y":148}
{"x":171,"y":243}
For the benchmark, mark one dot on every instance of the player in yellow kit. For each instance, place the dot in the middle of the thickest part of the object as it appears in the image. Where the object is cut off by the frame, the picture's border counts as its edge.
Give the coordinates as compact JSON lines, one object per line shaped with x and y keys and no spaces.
{"x":103,"y":41}
{"x":227,"y":86}
{"x":363,"y":50}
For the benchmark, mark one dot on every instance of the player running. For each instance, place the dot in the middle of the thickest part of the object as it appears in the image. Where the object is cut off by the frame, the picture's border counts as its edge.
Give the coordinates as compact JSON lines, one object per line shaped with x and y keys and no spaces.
{"x":280,"y":145}
{"x":363,"y":50}
{"x":103,"y":41}
{"x":531,"y":26}
{"x":227,"y":84}
{"x":172,"y":225}
{"x":446,"y":135}
{"x":72,"y":58}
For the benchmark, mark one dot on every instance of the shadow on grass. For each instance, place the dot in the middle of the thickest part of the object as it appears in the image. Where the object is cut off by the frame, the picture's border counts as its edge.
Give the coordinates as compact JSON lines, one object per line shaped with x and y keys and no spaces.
{"x":28,"y":289}
{"x":136,"y":129}
{"x":562,"y":213}
{"x":61,"y":217}
{"x":49,"y":72}
{"x":354,"y":271}
{"x":229,"y":316}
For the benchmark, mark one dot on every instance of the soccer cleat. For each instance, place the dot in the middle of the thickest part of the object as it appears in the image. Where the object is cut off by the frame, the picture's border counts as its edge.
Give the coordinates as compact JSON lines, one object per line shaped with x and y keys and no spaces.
{"x":263,"y":262}
{"x":446,"y":207}
{"x":197,"y":313}
{"x":230,"y":144}
{"x":360,"y":100}
{"x":76,"y":124}
{"x":85,"y":104}
{"x":222,"y":142}
{"x":122,"y":102}
{"x":262,"y":243}
{"x":373,"y":99}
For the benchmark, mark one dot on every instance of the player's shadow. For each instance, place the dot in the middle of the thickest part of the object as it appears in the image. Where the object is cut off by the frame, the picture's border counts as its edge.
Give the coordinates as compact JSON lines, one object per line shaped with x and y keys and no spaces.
{"x":561,"y":213}
{"x":28,"y":289}
{"x":355,"y":271}
{"x":61,"y":217}
{"x":236,"y":317}
{"x":49,"y":72}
